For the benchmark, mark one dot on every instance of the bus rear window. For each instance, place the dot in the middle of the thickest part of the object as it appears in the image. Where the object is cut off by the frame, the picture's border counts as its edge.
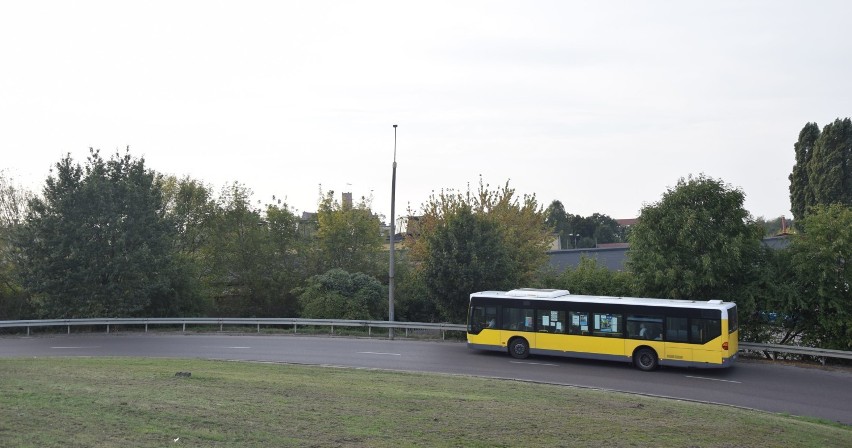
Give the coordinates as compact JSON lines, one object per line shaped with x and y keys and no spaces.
{"x":703,"y":331}
{"x":733,"y":322}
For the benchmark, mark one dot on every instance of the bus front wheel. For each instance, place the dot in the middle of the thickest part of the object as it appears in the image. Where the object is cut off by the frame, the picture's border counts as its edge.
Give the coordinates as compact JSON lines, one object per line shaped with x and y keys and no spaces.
{"x":646,"y":359}
{"x":519,"y":348}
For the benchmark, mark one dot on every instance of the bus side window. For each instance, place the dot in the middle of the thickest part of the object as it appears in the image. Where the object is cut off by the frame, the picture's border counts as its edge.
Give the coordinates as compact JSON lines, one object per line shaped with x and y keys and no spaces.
{"x":550,"y":321}
{"x":676,"y":329}
{"x":705,"y":330}
{"x":521,"y":319}
{"x":644,"y":327}
{"x":608,"y":325}
{"x":578,"y":322}
{"x":491,"y":317}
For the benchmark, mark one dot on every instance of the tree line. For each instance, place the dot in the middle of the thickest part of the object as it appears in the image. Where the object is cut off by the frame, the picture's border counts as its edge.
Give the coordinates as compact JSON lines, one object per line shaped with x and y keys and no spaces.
{"x":114,"y":238}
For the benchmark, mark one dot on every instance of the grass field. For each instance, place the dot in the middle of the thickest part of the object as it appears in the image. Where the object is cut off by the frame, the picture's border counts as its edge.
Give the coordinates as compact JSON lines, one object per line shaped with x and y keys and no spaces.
{"x":106,"y":402}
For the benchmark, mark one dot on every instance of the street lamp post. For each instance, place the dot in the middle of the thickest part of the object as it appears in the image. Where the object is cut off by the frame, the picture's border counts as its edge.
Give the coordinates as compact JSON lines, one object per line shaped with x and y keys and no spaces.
{"x":392,"y":237}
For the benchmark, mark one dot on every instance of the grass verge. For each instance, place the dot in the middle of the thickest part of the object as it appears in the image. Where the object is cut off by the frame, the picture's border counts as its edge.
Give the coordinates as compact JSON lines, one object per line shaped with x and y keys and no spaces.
{"x":129,"y":402}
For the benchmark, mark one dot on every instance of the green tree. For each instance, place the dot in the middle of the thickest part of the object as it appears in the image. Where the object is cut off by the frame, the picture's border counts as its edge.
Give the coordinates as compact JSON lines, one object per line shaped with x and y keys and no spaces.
{"x":472,"y":241}
{"x":830,"y":167}
{"x":465,"y":254}
{"x":97,"y":243}
{"x":521,"y":222}
{"x":232,"y":251}
{"x":288,"y":258}
{"x":606,"y":230}
{"x":822,"y":174}
{"x":578,"y":232}
{"x":190,"y":205}
{"x":411,"y":297}
{"x":822,"y":265}
{"x":13,"y":203}
{"x":781,"y":314}
{"x":348,"y":237}
{"x":525,"y":234}
{"x":251,"y":257}
{"x":590,"y":278}
{"x":801,"y":191}
{"x":190,"y":208}
{"x":337,"y":294}
{"x":697,"y":242}
{"x":557,"y":219}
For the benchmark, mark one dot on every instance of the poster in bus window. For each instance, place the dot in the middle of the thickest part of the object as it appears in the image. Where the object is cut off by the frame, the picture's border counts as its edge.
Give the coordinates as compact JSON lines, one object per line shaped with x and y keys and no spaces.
{"x":528,"y":321}
{"x":603,"y":322}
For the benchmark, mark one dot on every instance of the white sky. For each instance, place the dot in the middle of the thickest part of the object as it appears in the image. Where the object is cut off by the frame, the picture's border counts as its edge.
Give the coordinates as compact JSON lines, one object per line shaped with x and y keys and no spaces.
{"x":601,"y":105}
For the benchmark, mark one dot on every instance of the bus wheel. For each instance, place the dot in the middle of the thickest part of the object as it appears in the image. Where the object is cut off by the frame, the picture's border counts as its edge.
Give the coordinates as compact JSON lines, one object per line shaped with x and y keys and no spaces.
{"x":645,"y":359}
{"x":519,"y":348}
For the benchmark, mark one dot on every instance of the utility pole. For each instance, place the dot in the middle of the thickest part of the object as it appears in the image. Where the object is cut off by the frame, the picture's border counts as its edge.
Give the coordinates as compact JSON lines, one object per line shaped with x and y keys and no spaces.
{"x":392,"y":237}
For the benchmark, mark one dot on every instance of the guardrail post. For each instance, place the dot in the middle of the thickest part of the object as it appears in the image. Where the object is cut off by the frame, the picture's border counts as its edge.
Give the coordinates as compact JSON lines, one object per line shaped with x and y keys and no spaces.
{"x":69,"y":328}
{"x":332,"y":329}
{"x":443,"y":335}
{"x":369,"y":331}
{"x":295,"y":330}
{"x":107,"y":328}
{"x":146,"y":328}
{"x":28,"y":331}
{"x":406,"y":331}
{"x":258,"y":328}
{"x":184,"y":327}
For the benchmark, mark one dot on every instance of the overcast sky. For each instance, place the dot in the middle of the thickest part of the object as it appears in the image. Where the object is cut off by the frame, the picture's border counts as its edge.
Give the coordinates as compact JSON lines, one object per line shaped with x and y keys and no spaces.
{"x":601,"y":105}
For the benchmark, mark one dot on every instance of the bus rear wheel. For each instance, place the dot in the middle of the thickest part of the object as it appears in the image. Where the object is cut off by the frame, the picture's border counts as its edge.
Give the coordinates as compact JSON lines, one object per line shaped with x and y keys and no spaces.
{"x":646,"y":359}
{"x":519,"y":348}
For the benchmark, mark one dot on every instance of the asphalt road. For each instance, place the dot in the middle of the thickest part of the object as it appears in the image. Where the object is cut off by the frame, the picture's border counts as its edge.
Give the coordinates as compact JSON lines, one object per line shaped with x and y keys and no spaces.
{"x":769,"y":387}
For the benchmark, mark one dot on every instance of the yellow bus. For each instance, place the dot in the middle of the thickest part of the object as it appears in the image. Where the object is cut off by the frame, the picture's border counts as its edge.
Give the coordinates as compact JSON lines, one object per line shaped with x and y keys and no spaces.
{"x":647,"y":332}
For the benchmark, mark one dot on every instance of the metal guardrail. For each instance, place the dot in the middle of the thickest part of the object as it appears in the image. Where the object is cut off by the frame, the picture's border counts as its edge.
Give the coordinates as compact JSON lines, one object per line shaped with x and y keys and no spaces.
{"x":369,"y":324}
{"x":221,"y":322}
{"x":810,"y":351}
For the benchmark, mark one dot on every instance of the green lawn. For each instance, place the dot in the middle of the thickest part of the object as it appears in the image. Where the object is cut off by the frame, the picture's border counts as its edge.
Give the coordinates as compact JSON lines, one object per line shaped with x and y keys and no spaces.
{"x":128,"y":402}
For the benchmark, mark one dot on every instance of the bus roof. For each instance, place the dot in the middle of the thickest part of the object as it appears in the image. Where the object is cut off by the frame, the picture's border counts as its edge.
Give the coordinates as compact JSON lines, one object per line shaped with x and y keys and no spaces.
{"x":561,"y":295}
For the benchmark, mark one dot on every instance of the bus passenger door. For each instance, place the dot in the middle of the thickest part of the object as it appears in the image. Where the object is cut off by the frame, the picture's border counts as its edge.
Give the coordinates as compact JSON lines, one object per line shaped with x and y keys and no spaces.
{"x":518,"y":322}
{"x":678,"y":347}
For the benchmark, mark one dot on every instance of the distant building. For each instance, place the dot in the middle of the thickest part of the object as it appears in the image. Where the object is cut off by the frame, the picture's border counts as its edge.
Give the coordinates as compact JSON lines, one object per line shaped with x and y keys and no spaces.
{"x":777,"y":242}
{"x":307,"y":225}
{"x":412,"y":226}
{"x":612,"y":246}
{"x":614,"y":256}
{"x":555,"y":242}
